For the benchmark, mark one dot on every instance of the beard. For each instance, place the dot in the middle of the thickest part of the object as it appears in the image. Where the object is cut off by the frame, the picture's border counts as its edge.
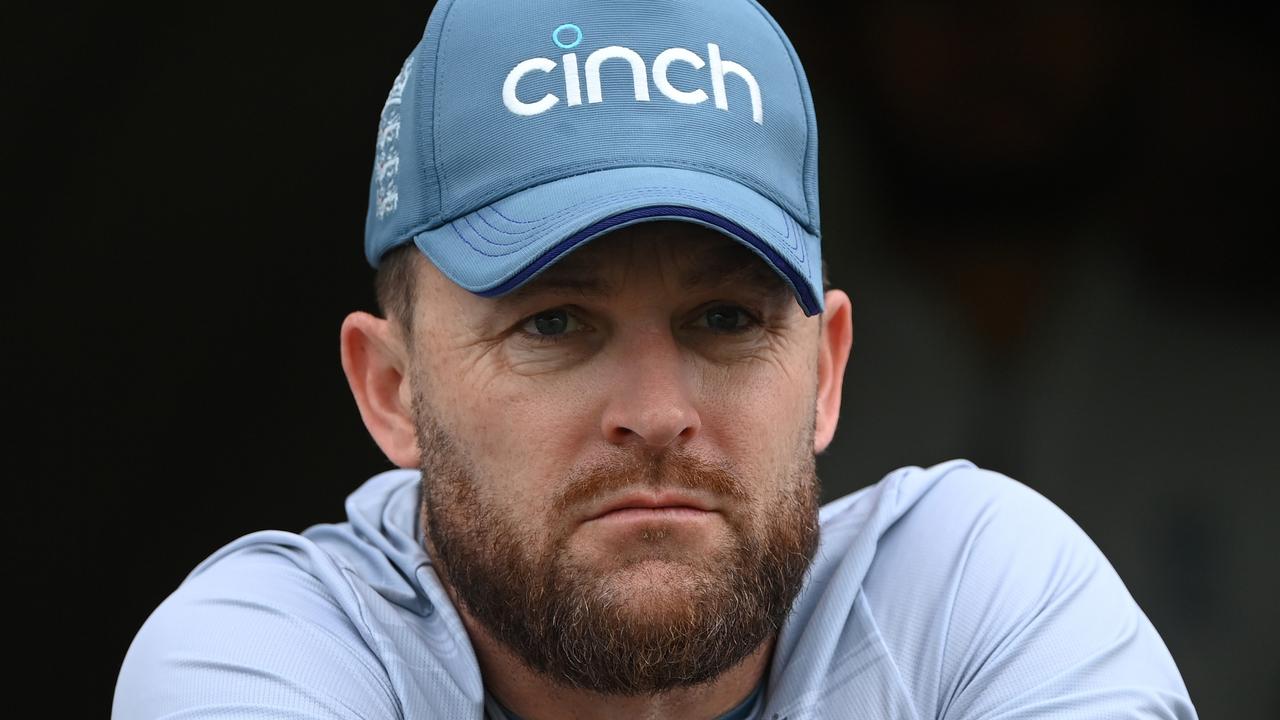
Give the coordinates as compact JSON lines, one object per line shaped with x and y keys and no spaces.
{"x":684,"y":624}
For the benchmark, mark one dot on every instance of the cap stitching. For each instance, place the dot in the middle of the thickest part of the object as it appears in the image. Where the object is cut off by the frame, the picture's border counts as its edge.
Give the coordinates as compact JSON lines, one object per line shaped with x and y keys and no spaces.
{"x":557,"y":173}
{"x":643,"y":189}
{"x":795,"y":247}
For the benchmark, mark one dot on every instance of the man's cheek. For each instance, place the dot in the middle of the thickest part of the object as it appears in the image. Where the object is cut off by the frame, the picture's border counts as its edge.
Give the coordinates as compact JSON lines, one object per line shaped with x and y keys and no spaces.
{"x":528,"y":450}
{"x":753,"y":412}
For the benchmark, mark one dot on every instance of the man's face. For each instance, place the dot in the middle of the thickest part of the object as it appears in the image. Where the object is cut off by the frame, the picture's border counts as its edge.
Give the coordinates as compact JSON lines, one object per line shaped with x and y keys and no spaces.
{"x":618,"y":475}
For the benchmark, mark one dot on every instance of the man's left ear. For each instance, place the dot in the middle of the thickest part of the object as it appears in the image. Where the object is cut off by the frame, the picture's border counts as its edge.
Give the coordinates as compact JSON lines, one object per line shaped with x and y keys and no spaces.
{"x":375,"y":361}
{"x":834,"y":343}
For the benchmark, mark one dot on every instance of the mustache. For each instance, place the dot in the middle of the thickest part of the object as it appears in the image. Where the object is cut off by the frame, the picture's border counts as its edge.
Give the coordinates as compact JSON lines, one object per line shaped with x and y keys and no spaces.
{"x":671,"y":470}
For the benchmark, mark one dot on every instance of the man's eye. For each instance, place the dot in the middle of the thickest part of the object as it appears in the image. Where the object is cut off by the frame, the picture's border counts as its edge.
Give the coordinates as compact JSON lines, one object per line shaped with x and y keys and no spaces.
{"x":551,"y":323}
{"x":727,"y":318}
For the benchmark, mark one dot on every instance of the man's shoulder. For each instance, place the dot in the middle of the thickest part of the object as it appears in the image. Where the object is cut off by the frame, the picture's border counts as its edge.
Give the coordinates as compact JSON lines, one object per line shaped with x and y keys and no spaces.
{"x":957,"y":522}
{"x":951,"y":500}
{"x":321,"y":622}
{"x":373,"y":547}
{"x":236,"y":633}
{"x":962,"y":589}
{"x":953,"y":531}
{"x":900,"y":490}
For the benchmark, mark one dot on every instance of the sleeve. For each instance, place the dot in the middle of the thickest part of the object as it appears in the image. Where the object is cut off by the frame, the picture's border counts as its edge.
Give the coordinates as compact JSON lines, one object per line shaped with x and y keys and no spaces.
{"x":1008,"y":610}
{"x":253,"y":636}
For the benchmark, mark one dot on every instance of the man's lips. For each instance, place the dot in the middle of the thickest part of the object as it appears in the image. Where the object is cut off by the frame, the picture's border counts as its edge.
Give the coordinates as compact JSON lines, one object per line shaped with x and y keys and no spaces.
{"x":662,"y":500}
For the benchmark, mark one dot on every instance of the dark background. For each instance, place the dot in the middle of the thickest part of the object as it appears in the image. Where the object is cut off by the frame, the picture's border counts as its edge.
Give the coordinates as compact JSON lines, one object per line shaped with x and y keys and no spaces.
{"x":1055,"y":220}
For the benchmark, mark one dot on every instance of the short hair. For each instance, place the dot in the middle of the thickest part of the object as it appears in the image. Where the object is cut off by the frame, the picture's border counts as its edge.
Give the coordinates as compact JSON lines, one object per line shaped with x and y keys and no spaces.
{"x":393,"y":283}
{"x":396,"y":276}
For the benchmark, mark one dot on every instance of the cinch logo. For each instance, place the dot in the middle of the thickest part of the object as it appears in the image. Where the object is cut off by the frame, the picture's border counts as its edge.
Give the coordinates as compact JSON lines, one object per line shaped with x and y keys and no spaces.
{"x":719,"y":68}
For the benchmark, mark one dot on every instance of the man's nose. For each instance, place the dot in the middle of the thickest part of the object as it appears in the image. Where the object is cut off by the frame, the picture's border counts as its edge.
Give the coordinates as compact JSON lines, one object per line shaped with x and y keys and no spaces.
{"x":651,"y":402}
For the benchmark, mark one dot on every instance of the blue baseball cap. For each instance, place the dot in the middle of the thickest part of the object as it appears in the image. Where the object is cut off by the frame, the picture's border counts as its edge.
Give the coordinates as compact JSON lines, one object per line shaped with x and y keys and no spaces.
{"x":517,"y":131}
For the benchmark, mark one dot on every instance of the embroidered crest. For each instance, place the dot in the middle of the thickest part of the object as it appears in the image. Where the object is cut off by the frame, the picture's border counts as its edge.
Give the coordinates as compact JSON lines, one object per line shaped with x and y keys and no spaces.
{"x":386,"y":164}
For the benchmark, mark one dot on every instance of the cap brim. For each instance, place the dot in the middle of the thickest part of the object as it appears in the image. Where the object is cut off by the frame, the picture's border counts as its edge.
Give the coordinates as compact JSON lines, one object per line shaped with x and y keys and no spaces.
{"x":500,"y":247}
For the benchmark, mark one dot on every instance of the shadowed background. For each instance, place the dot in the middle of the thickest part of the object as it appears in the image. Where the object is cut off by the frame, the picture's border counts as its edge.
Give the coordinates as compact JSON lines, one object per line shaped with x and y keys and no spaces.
{"x":1051,"y":217}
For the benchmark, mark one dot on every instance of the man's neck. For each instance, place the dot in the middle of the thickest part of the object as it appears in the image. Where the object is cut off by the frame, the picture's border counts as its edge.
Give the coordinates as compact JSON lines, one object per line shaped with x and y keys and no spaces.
{"x":534,"y":697}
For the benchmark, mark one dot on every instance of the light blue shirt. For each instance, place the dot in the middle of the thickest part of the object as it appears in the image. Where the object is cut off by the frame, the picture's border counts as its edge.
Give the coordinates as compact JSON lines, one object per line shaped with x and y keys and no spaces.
{"x":947,"y":592}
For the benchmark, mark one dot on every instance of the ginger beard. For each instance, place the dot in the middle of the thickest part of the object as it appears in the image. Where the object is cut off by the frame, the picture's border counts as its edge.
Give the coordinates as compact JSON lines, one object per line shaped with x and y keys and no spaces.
{"x":667,"y":620}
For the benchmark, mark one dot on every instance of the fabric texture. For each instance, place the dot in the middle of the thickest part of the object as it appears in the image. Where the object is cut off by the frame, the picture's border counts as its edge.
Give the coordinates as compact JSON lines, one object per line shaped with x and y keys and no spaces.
{"x":948,"y":592}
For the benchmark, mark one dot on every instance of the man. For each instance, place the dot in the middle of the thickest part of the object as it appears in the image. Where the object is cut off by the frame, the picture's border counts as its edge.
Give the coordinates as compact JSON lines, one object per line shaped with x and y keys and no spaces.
{"x":607,"y":362}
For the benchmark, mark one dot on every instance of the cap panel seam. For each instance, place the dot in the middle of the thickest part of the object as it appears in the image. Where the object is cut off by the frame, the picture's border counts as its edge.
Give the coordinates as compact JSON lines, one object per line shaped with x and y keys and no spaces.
{"x":794,"y":58}
{"x":445,"y":31}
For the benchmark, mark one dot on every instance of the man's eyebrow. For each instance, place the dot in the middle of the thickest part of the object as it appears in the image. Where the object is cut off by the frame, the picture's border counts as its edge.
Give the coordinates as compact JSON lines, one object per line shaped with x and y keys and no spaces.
{"x":557,"y":281}
{"x":732,"y":268}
